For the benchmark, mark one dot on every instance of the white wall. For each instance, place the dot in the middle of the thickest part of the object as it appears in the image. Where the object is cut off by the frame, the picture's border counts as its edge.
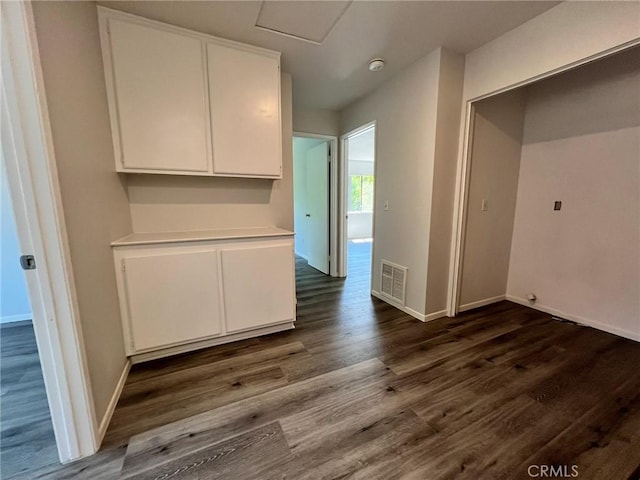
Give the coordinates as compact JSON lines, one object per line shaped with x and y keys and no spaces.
{"x":495,"y":164}
{"x":178,"y":203}
{"x":14,"y":296}
{"x":360,"y":224}
{"x":581,"y":146}
{"x":94,"y":197}
{"x":316,"y":120}
{"x":405,"y":111}
{"x":300,"y":148}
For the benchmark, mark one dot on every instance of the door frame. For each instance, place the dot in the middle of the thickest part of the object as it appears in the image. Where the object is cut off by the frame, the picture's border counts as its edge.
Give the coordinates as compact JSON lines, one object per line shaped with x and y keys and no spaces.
{"x":463,"y":173}
{"x":29,"y":158}
{"x":344,"y":175}
{"x":333,"y":226}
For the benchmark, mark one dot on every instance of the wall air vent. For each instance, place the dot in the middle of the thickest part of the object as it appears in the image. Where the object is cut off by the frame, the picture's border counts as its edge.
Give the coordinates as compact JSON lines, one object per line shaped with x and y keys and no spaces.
{"x":393,"y":280}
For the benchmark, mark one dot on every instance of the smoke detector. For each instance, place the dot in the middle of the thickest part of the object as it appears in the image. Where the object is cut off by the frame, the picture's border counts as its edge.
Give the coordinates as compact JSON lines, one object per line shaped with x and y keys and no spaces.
{"x":376,"y":64}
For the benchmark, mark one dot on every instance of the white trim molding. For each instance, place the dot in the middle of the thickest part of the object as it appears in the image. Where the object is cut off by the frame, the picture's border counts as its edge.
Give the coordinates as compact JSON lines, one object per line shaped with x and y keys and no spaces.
{"x":576,"y":318}
{"x":435,"y":315}
{"x":410,"y":311}
{"x":212,"y":342}
{"x":28,"y":153}
{"x":481,"y":303}
{"x":334,"y":200}
{"x":113,"y":401}
{"x":343,"y":189}
{"x":399,"y":306}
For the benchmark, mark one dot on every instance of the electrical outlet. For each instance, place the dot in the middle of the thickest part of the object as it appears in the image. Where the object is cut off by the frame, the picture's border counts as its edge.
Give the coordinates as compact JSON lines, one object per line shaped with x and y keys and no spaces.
{"x":485,"y":205}
{"x":557,"y":205}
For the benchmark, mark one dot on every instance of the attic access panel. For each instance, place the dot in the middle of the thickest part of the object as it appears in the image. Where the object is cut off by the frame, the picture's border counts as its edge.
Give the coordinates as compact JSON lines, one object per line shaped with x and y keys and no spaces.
{"x":308,"y":21}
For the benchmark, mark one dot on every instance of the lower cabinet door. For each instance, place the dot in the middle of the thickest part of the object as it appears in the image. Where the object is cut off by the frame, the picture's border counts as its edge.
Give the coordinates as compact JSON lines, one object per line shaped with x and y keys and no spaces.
{"x":172,"y":298}
{"x":258,"y":286}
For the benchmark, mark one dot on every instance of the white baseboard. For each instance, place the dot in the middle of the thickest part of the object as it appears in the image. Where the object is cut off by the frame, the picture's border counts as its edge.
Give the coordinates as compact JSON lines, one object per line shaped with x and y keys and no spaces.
{"x":399,"y":306}
{"x":415,"y":314}
{"x":212,"y":342}
{"x":16,"y":318}
{"x":481,"y":303}
{"x":106,"y":418}
{"x":578,"y":319}
{"x":435,"y":315}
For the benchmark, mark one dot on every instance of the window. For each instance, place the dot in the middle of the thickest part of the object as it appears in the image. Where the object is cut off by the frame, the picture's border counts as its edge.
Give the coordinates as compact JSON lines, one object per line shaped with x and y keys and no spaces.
{"x":361,"y":193}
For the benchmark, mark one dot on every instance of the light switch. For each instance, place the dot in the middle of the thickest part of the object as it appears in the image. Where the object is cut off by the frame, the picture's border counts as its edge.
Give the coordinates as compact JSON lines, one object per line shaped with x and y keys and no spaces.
{"x":557,"y":205}
{"x":485,"y":205}
{"x":386,"y":204}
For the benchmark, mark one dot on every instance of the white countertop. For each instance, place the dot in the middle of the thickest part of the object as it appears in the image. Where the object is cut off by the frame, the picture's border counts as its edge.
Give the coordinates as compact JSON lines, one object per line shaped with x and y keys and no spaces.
{"x":220,"y":234}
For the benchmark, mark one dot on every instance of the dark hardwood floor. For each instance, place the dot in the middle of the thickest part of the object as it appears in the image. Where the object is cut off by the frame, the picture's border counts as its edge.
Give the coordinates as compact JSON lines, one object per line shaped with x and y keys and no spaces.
{"x":26,"y":432}
{"x":361,"y":390}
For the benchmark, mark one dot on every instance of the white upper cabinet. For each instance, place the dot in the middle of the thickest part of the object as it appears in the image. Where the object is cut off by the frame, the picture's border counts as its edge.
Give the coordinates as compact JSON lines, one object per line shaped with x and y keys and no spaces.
{"x":244,"y":93}
{"x":187,"y":103}
{"x":159,"y":100}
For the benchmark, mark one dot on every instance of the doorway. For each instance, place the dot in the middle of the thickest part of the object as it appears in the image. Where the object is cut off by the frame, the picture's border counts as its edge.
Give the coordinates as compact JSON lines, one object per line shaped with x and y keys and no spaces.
{"x":26,"y":430}
{"x":314,"y":188}
{"x":29,"y":160}
{"x":358,"y":166}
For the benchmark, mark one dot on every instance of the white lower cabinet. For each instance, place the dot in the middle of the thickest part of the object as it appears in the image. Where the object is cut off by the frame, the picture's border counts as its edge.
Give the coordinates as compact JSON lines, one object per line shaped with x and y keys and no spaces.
{"x":257,"y":286}
{"x":179,"y":295}
{"x":171,"y":297}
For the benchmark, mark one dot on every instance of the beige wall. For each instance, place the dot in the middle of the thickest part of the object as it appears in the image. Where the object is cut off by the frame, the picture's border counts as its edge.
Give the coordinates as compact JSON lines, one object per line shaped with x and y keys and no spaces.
{"x":548,"y":43}
{"x":405,"y":111}
{"x":316,"y":120}
{"x":175,"y":203}
{"x":446,"y":150}
{"x":93,"y":196}
{"x":563,"y":35}
{"x":582,"y":146}
{"x":495,"y":164}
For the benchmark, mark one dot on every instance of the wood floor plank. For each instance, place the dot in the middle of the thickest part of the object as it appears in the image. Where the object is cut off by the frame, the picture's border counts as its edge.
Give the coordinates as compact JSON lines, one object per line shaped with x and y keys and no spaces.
{"x":251,"y":455}
{"x":371,"y":453}
{"x":361,"y":390}
{"x":26,"y":431}
{"x":581,"y":442}
{"x":238,"y":417}
{"x":204,"y":395}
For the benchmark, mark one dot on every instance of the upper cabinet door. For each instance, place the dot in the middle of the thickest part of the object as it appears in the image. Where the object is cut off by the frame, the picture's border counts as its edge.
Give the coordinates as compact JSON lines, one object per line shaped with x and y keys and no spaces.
{"x":244,"y":95}
{"x":158,"y":97}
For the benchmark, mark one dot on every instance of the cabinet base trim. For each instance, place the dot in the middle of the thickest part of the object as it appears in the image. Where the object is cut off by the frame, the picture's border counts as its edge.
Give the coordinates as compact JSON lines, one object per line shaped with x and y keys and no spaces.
{"x":166,"y":352}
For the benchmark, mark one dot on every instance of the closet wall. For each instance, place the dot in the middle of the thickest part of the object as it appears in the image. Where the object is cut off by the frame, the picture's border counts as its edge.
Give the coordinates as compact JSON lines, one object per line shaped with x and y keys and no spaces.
{"x":581,"y":146}
{"x":572,"y":138}
{"x":495,"y":153}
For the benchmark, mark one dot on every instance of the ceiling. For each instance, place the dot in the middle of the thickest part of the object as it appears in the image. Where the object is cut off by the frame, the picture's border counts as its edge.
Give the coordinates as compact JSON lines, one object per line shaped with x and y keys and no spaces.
{"x":333,"y":73}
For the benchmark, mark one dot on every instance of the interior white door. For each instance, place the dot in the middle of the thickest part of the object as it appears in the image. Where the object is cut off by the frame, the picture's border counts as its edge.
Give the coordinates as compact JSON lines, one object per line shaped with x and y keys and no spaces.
{"x":317,"y":216}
